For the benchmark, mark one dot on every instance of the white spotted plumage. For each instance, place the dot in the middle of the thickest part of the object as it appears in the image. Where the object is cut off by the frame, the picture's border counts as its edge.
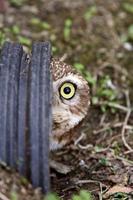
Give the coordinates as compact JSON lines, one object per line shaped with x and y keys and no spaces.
{"x":67,"y":113}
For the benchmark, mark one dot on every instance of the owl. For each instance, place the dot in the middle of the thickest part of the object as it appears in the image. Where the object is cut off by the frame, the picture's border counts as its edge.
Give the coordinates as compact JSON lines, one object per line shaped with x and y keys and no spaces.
{"x":71,"y":100}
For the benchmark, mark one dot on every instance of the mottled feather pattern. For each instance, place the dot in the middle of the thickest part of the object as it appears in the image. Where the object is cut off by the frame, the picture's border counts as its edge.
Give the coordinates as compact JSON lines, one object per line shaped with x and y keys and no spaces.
{"x":68,"y":114}
{"x":59,"y":69}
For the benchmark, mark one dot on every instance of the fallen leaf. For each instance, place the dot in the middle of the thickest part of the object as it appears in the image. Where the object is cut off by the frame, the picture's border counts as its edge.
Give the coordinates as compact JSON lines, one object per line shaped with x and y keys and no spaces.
{"x":59,"y":167}
{"x":116,"y":189}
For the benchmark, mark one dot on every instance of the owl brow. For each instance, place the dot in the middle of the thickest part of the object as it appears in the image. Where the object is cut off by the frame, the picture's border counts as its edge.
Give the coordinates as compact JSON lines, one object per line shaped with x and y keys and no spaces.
{"x":69,"y":81}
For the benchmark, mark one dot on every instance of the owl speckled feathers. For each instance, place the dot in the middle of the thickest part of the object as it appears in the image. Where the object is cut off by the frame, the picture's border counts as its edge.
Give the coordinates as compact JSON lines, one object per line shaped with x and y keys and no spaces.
{"x":71,"y":101}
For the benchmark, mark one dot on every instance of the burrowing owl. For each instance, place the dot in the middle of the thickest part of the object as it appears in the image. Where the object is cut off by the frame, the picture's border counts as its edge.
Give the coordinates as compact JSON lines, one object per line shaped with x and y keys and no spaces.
{"x":70,"y":103}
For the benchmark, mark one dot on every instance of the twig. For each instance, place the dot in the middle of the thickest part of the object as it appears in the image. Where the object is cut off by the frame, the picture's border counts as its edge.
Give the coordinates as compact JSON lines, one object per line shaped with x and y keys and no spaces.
{"x":128,"y":111}
{"x":118,"y":106}
{"x":128,"y":152}
{"x":108,"y":125}
{"x":128,"y":99}
{"x":124,"y":160}
{"x":113,"y":105}
{"x":126,"y":121}
{"x":64,"y":57}
{"x":77,"y":143}
{"x":3,"y":197}
{"x":88,"y":146}
{"x":102,"y":119}
{"x":91,"y":181}
{"x":79,"y":138}
{"x":123,"y":131}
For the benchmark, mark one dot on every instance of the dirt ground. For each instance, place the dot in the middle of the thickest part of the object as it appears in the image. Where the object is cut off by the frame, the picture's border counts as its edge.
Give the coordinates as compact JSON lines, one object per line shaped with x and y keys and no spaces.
{"x":97,"y":36}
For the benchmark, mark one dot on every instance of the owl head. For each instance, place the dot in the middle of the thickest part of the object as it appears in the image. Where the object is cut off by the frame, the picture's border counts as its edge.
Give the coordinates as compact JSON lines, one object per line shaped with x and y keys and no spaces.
{"x":70,"y":102}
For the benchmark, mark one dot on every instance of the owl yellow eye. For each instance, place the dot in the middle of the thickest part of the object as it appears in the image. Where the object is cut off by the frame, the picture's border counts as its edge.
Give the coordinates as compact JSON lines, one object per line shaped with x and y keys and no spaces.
{"x":67,"y":90}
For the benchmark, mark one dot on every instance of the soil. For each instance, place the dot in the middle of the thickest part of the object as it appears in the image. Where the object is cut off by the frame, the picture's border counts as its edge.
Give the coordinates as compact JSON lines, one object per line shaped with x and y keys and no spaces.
{"x":102,"y":160}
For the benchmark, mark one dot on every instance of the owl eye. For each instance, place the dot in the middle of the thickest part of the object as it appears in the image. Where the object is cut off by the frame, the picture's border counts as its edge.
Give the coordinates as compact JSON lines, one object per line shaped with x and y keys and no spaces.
{"x":67,"y":90}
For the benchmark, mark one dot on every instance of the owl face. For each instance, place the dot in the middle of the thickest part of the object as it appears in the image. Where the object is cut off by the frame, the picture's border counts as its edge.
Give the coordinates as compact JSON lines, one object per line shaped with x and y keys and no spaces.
{"x":70,"y":102}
